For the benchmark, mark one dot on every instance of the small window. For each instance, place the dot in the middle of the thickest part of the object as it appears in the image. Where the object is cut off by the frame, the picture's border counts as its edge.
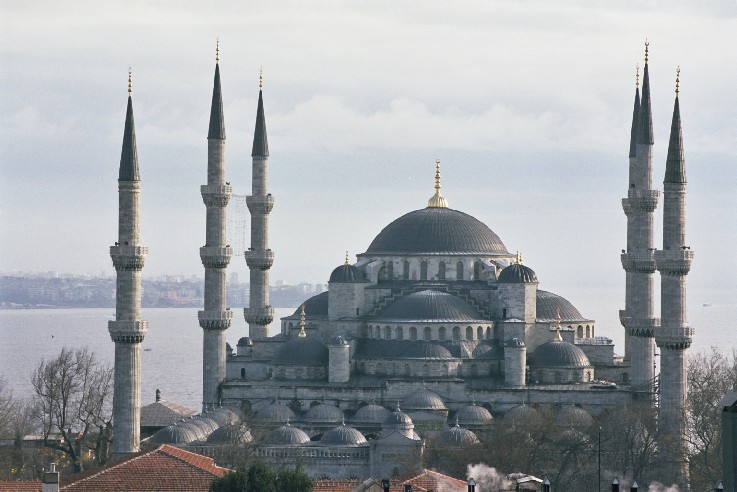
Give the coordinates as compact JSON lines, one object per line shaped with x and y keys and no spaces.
{"x":456,"y":333}
{"x":387,"y":332}
{"x":243,"y":373}
{"x":469,"y":333}
{"x":441,"y":333}
{"x":405,"y":273}
{"x":400,"y":333}
{"x":413,"y":333}
{"x":477,"y":270}
{"x":441,"y":270}
{"x":390,"y":270}
{"x":428,"y":333}
{"x":459,"y":270}
{"x":423,"y":270}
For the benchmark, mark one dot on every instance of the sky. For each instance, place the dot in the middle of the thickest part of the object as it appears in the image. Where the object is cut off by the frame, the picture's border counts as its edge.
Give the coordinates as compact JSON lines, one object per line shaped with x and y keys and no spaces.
{"x":527,"y":104}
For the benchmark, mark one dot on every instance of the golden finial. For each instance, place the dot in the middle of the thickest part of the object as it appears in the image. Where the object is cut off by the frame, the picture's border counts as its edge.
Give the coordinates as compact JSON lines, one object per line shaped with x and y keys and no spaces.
{"x":437,"y":200}
{"x":217,"y":50}
{"x":346,"y":258}
{"x":637,"y":79}
{"x":302,"y":333}
{"x":518,"y":259}
{"x":647,"y":44}
{"x":558,"y":338}
{"x":678,"y":78}
{"x":130,"y":82}
{"x":261,"y":78}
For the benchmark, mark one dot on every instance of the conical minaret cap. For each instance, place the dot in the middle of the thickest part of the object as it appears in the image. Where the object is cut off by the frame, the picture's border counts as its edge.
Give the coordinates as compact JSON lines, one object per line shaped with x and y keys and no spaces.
{"x":645,"y":130}
{"x":260,"y":141}
{"x":635,"y":118}
{"x":217,"y":120}
{"x":675,"y":165}
{"x":129,"y":155}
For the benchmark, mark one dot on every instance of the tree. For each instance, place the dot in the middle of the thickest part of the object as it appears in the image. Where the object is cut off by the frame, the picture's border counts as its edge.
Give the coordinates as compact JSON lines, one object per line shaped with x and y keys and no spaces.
{"x":235,"y":481}
{"x":72,"y":399}
{"x":293,"y":480}
{"x":259,"y":477}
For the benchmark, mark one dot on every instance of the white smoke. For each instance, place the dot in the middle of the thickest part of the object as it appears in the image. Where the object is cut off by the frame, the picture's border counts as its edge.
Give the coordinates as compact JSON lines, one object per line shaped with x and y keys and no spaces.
{"x":659,"y":487}
{"x":488,"y":479}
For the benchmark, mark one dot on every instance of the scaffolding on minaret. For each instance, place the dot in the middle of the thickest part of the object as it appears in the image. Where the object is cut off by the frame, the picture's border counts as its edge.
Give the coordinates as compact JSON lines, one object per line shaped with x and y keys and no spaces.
{"x":237,"y":227}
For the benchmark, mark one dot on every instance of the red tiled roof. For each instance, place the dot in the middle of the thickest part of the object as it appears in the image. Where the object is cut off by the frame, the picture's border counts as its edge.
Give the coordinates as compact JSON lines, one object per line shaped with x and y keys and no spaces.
{"x":21,"y":486}
{"x":164,"y":469}
{"x":335,"y":485}
{"x":421,"y":481}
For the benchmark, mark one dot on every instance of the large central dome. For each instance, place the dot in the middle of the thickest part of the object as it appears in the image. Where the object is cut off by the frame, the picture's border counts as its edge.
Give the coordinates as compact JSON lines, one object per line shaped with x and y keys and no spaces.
{"x":437,"y":231}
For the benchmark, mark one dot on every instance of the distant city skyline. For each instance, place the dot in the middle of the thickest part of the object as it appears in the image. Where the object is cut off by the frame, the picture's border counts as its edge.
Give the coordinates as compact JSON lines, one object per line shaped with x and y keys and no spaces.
{"x":526,"y":104}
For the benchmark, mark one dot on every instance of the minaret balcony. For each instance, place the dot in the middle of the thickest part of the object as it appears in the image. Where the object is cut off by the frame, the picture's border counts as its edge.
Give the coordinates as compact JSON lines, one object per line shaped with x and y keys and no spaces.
{"x":215,"y":256}
{"x":216,"y":195}
{"x":643,"y":262}
{"x":215,"y":320}
{"x":623,"y":317}
{"x":260,"y":204}
{"x":678,"y":339}
{"x":674,"y":261}
{"x":128,"y":257}
{"x":258,"y":315}
{"x":644,"y":327}
{"x":259,"y":260}
{"x":127,"y":331}
{"x":640,"y":201}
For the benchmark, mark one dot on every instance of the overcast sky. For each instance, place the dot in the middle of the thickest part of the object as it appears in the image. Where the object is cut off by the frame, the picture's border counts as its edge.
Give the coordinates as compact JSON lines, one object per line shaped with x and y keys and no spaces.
{"x":527,"y":105}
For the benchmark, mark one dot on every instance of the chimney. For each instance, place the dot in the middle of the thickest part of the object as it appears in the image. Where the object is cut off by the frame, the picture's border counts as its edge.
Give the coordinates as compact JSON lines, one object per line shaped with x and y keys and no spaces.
{"x":51,"y":479}
{"x":615,"y":485}
{"x":634,"y":487}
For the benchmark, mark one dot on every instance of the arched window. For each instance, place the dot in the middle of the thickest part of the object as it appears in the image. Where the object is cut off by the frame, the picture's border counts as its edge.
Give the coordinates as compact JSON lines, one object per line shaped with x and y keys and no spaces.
{"x":441,"y":270}
{"x":243,"y":373}
{"x":428,"y":333}
{"x":488,"y":332}
{"x":405,"y":272}
{"x":446,"y":370}
{"x":456,"y":333}
{"x":474,"y":370}
{"x":479,"y":333}
{"x":382,"y":274}
{"x":579,"y":332}
{"x":388,"y":332}
{"x":588,"y":331}
{"x":469,"y":333}
{"x":592,"y":331}
{"x":477,"y":270}
{"x":441,"y":333}
{"x":425,"y":370}
{"x":423,"y":270}
{"x":459,"y":270}
{"x":371,"y":331}
{"x":400,"y":333}
{"x":412,"y":333}
{"x":390,"y":270}
{"x":407,"y":370}
{"x":364,"y":331}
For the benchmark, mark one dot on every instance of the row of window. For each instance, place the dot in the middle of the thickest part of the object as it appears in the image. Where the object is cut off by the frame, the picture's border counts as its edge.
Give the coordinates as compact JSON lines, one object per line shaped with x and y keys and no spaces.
{"x":425,"y":370}
{"x":387,"y":271}
{"x":580,"y":331}
{"x":428,"y":333}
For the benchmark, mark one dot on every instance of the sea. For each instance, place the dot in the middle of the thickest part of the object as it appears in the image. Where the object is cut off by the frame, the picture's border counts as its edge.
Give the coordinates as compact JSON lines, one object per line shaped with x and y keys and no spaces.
{"x":172,"y":351}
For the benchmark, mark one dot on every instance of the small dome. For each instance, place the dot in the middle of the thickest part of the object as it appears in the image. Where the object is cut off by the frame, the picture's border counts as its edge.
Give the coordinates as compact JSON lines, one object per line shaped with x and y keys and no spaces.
{"x":314,"y":306}
{"x":274,"y":413}
{"x":324,"y":413}
{"x":517,"y":274}
{"x":224,"y":416}
{"x":370,"y":414}
{"x":339,"y":340}
{"x":230,"y":434}
{"x":430,"y":306}
{"x":228,"y":347}
{"x":572,"y":416}
{"x":559,"y":354}
{"x":177,"y":434}
{"x":424,"y":399}
{"x":204,"y":423}
{"x":245,"y":342}
{"x":342,"y":436}
{"x":286,"y":435}
{"x":488,"y":351}
{"x":521,"y":415}
{"x":514,"y":343}
{"x":473,"y":415}
{"x":298,"y":351}
{"x":398,"y":420}
{"x":457,"y":437}
{"x":549,"y":305}
{"x":347,"y":274}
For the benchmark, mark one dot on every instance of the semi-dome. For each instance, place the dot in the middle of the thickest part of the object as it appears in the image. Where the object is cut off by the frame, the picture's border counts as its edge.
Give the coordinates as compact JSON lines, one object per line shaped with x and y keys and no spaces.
{"x":274,"y":413}
{"x":370,"y":414}
{"x":437,"y":231}
{"x":488,"y":351}
{"x":371,"y":348}
{"x":314,"y":306}
{"x":302,"y":351}
{"x":521,"y":415}
{"x":324,"y":413}
{"x":517,"y":273}
{"x":424,"y":399}
{"x":473,"y":415}
{"x":430,"y":306}
{"x":342,"y":436}
{"x":230,"y":434}
{"x":458,"y":437}
{"x":347,"y":274}
{"x":559,"y":353}
{"x":286,"y":435}
{"x":572,"y":416}
{"x":549,"y":305}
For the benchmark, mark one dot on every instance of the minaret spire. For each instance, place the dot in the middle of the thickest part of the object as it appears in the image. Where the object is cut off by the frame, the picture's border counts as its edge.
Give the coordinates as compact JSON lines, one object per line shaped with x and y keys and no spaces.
{"x":437,"y":200}
{"x":645,"y":132}
{"x":675,"y":165}
{"x":215,"y":318}
{"x":260,"y":141}
{"x":635,"y":117}
{"x":128,"y":330}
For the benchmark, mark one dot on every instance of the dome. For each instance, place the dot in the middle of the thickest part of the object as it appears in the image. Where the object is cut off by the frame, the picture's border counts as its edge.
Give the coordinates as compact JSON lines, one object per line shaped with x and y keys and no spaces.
{"x":424,"y":399}
{"x":398,"y":420}
{"x":286,"y":435}
{"x":473,"y":415}
{"x":436,"y":231}
{"x":517,"y":273}
{"x":204,"y":423}
{"x":339,"y":340}
{"x":224,"y":416}
{"x":424,"y":350}
{"x":274,"y":413}
{"x":177,"y":434}
{"x":314,"y":306}
{"x":457,"y":437}
{"x":347,"y":274}
{"x":324,"y":413}
{"x":230,"y":434}
{"x":370,"y":348}
{"x":559,"y":354}
{"x":572,"y":416}
{"x":520,"y":415}
{"x":549,"y":305}
{"x":488,"y":351}
{"x":307,"y":351}
{"x":430,"y":306}
{"x":244,"y":342}
{"x":514,"y":343}
{"x":342,"y":436}
{"x":370,"y":414}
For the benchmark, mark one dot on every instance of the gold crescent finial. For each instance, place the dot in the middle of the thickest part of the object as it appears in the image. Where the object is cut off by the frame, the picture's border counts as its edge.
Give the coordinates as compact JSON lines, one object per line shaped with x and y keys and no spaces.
{"x":302,"y":333}
{"x":346,"y":258}
{"x":130,"y":81}
{"x":678,"y":78}
{"x":518,"y":259}
{"x":437,"y":200}
{"x":217,"y":50}
{"x":647,"y":44}
{"x":261,"y":78}
{"x":637,"y":77}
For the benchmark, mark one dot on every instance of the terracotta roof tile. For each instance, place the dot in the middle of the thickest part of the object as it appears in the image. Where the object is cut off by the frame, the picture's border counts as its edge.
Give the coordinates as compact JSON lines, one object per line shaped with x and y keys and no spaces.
{"x":21,"y":486}
{"x":422,"y":481}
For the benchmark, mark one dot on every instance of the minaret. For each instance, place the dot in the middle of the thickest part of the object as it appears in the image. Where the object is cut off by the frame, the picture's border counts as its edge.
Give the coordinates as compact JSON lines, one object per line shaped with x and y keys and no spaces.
{"x":215,"y":254}
{"x":259,"y":314}
{"x":639,"y":260}
{"x":674,"y":335}
{"x":128,"y":330}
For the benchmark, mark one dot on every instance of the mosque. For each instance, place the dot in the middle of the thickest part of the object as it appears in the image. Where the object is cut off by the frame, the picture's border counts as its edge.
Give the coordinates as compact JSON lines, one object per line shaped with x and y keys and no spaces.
{"x":436,"y":322}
